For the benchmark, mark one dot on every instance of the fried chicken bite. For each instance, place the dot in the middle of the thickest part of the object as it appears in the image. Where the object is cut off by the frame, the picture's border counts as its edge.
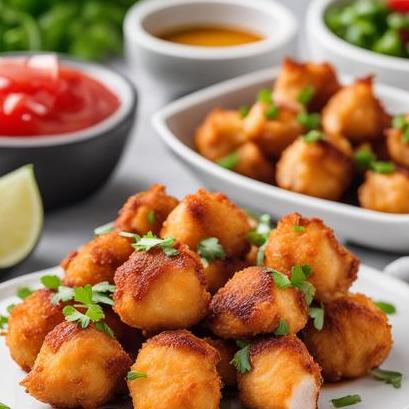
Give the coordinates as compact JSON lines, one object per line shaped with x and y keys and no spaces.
{"x":295,"y":77}
{"x":77,"y":368}
{"x":356,"y":113}
{"x":252,"y":163}
{"x":298,"y":240}
{"x":226,"y":352}
{"x":155,"y":291}
{"x":250,"y":304}
{"x":97,"y":260}
{"x":28,"y":324}
{"x":203,"y":215}
{"x":323,"y":168}
{"x":385,"y":192}
{"x":283,"y":375}
{"x":146,"y":211}
{"x":220,"y":133}
{"x":398,"y":146}
{"x":272,"y":134}
{"x":356,"y":337}
{"x":180,"y":373}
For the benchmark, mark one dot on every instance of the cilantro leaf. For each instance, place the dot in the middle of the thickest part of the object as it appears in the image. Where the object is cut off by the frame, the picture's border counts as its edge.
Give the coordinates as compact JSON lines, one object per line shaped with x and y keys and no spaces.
{"x":151,"y":217}
{"x":104,"y":229}
{"x":265,"y":95}
{"x":241,"y":359}
{"x":390,"y":377}
{"x":306,"y":95}
{"x":282,"y":328}
{"x":307,"y":288}
{"x":24,"y":292}
{"x":364,"y":157}
{"x":95,"y":312}
{"x":210,"y":249}
{"x":383,"y":167}
{"x":3,"y":321}
{"x":271,"y":112}
{"x":280,"y":279}
{"x":313,"y":136}
{"x":261,"y":254}
{"x":103,"y":287}
{"x":10,"y":308}
{"x":83,"y":294}
{"x":150,"y":241}
{"x":71,"y":314}
{"x":299,"y":229}
{"x":244,"y":111}
{"x":132,"y":375}
{"x":387,"y":308}
{"x":103,"y":327}
{"x":309,"y":121}
{"x":3,"y":406}
{"x":63,"y":294}
{"x":317,"y":314}
{"x":347,"y":400}
{"x":51,"y":281}
{"x":229,"y":161}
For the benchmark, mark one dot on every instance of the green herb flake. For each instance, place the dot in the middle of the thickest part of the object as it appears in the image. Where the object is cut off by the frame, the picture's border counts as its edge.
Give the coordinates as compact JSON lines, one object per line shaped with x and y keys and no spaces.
{"x":132,"y":375}
{"x":308,"y":289}
{"x":280,"y":279}
{"x":241,"y":359}
{"x":63,"y":294}
{"x":306,"y":95}
{"x":390,"y":377}
{"x":24,"y":292}
{"x":313,"y":136}
{"x":229,"y":161}
{"x":261,"y":254}
{"x":244,"y":111}
{"x":282,"y":329}
{"x":3,"y":406}
{"x":265,"y":95}
{"x":405,"y":135}
{"x":347,"y":400}
{"x":150,"y":241}
{"x":271,"y":112}
{"x":10,"y":308}
{"x":400,"y":122}
{"x":51,"y":281}
{"x":3,"y":321}
{"x":364,"y":157}
{"x":104,"y":327}
{"x":317,"y":315}
{"x":83,"y":294}
{"x":104,"y":229}
{"x":71,"y":314}
{"x":210,"y":249}
{"x":383,"y":167}
{"x":309,"y":121}
{"x":151,"y":217}
{"x":386,"y":307}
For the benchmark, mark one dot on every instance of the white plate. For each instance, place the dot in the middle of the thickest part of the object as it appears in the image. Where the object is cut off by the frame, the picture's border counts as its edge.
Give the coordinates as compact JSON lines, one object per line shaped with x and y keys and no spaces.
{"x":177,"y":122}
{"x":375,"y":394}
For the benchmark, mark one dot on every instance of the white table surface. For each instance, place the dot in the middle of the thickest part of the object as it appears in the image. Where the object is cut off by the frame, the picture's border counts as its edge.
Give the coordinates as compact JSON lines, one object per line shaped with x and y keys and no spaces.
{"x":145,"y":161}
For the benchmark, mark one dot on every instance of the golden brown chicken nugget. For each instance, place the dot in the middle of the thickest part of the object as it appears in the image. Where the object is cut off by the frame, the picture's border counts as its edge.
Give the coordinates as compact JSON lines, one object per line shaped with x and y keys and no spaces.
{"x":203,"y":215}
{"x":298,"y":240}
{"x":397,"y":146}
{"x":356,"y":337}
{"x":146,"y":211}
{"x":77,"y":368}
{"x":180,"y":373}
{"x":155,"y":291}
{"x":250,"y":304}
{"x":29,"y":323}
{"x":283,"y":375}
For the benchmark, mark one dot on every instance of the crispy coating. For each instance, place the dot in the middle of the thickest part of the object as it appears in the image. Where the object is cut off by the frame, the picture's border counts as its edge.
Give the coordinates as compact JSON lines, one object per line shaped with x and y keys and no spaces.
{"x":317,"y":169}
{"x":356,"y":113}
{"x":334,"y":267}
{"x":226,"y":350}
{"x":295,"y":76}
{"x":29,"y":323}
{"x":283,"y":376}
{"x":385,"y":192}
{"x":397,"y":148}
{"x":77,"y":368}
{"x":146,"y":211}
{"x":156,"y":292}
{"x":96,"y":260}
{"x":220,"y":133}
{"x":251,"y":304}
{"x":253,"y":164}
{"x":181,"y":373}
{"x":356,"y":338}
{"x":202,"y":215}
{"x":272,"y":135}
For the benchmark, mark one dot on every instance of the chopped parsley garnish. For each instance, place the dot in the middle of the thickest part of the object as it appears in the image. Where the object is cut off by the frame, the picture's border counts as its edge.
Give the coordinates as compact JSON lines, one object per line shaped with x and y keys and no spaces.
{"x":259,"y":235}
{"x":229,"y":161}
{"x":299,"y":229}
{"x":309,"y":121}
{"x":132,"y":375}
{"x":347,"y":400}
{"x":364,"y":157}
{"x":151,"y":217}
{"x":210,"y":250}
{"x":24,"y":292}
{"x":306,"y":95}
{"x":150,"y":241}
{"x":265,"y":95}
{"x":104,"y":229}
{"x":244,"y":111}
{"x":317,"y":315}
{"x":241,"y":359}
{"x":271,"y":112}
{"x":282,"y":328}
{"x":386,"y":307}
{"x":51,"y":282}
{"x":383,"y":167}
{"x":390,"y":377}
{"x":313,"y":136}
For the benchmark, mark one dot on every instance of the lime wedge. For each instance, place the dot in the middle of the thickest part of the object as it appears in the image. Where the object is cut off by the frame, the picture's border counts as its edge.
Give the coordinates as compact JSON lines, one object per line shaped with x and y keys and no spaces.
{"x":21,"y":215}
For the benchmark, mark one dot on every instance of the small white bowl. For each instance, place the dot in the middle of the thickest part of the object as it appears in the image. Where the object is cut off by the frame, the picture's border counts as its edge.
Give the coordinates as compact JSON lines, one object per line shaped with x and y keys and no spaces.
{"x":323,"y":44}
{"x":176,"y":124}
{"x":183,"y":67}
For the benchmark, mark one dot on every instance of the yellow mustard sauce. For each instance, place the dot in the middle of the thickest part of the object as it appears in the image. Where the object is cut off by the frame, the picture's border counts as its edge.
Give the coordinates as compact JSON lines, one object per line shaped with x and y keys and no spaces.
{"x":210,"y":36}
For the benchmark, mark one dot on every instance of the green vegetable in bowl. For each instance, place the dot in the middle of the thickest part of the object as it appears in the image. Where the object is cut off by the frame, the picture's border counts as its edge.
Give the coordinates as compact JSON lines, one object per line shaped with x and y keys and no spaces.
{"x":90,"y":29}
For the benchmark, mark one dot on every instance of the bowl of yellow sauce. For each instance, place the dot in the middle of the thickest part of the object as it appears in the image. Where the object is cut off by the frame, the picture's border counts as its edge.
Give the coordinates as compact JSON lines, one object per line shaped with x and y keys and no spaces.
{"x":188,"y":44}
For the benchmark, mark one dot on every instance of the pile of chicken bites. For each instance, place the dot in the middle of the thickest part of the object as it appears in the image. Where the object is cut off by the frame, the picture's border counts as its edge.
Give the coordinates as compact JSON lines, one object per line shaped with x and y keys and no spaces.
{"x":311,"y":135}
{"x":178,"y":300}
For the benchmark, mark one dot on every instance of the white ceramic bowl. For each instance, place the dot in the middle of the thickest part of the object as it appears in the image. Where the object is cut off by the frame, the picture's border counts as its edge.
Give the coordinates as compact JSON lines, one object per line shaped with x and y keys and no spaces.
{"x":323,"y":44}
{"x":177,"y":122}
{"x":184,"y":67}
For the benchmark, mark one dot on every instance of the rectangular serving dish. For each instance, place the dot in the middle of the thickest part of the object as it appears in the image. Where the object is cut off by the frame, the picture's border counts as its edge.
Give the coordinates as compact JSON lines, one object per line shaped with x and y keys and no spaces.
{"x":176,"y":124}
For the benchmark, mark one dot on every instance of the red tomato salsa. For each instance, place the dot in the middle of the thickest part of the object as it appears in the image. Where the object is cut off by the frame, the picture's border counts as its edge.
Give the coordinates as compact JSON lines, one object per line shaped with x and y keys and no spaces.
{"x":38,"y":97}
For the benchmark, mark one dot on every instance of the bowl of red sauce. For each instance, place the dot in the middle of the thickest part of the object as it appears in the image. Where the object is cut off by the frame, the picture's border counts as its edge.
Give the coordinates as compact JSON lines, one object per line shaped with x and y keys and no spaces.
{"x":69,"y":118}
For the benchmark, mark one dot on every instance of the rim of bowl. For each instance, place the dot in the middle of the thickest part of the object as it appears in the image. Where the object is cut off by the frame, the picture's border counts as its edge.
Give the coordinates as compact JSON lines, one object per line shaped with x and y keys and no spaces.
{"x":126,"y":94}
{"x":134,"y":30}
{"x":316,"y":23}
